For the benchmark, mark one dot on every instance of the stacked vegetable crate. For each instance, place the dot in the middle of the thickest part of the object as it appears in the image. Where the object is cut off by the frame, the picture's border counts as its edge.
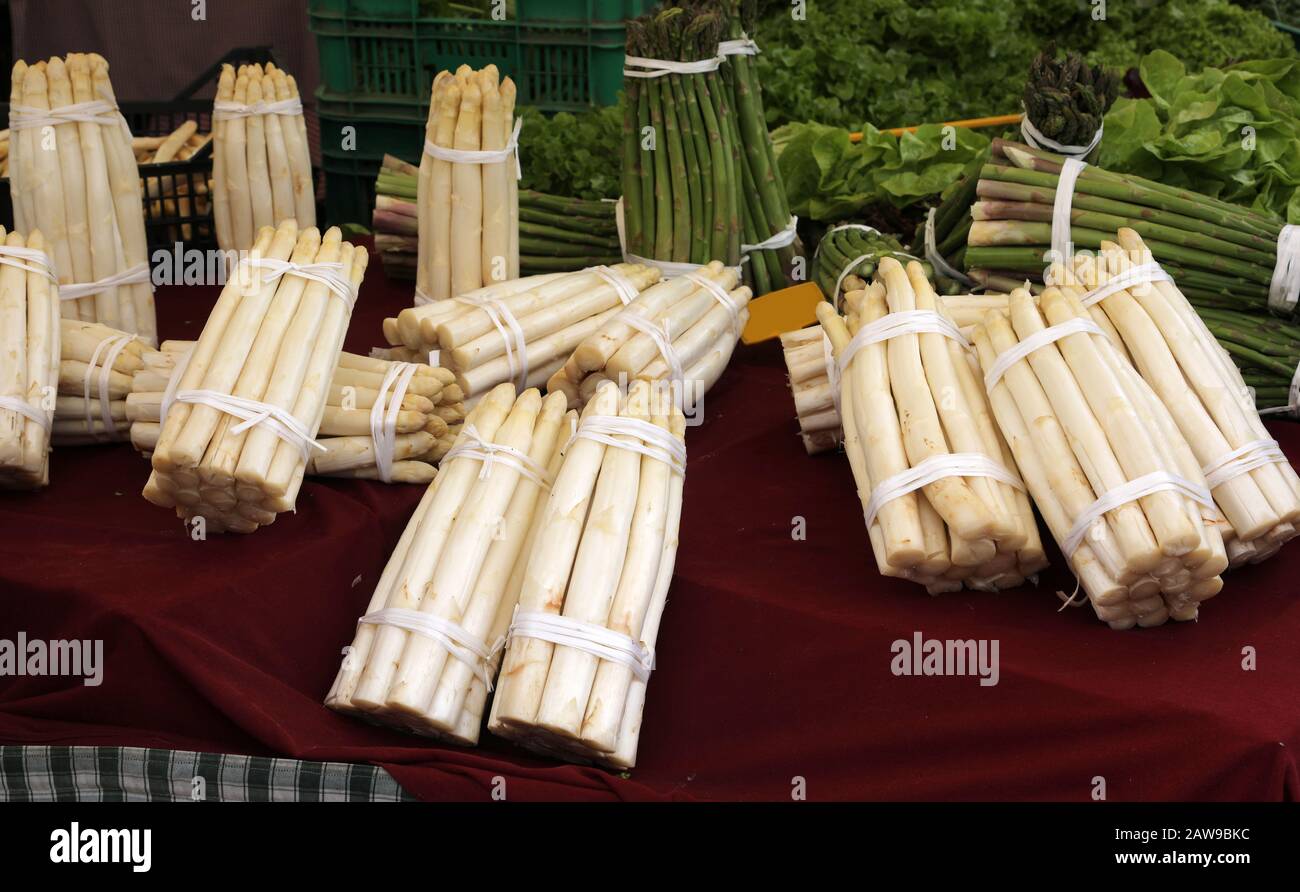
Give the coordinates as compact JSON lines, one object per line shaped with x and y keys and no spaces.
{"x":378,"y":57}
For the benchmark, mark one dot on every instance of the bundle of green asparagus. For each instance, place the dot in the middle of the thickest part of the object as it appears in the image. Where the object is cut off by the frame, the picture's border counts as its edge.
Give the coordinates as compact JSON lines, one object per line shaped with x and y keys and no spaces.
{"x":521,"y":330}
{"x":74,"y":177}
{"x":847,"y":256}
{"x":700,"y":179}
{"x":29,"y":359}
{"x":425,"y":406}
{"x":1222,"y":255}
{"x":683,"y":330}
{"x":261,"y":163}
{"x":1065,"y":100}
{"x":395,"y":220}
{"x":422,"y":656}
{"x":594,"y":582}
{"x":1266,"y":350}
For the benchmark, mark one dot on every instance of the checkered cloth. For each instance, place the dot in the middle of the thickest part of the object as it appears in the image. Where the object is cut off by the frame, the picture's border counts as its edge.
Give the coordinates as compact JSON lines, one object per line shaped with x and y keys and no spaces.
{"x":137,"y":774}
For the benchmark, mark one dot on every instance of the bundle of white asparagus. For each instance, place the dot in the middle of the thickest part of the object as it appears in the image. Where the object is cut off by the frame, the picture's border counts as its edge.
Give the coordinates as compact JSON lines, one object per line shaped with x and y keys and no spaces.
{"x":1140,"y":307}
{"x":422,"y":657}
{"x":683,"y":329}
{"x":78,"y":183}
{"x":581,"y":643}
{"x":427,"y":411}
{"x":1115,"y":480}
{"x":811,"y":366}
{"x":29,"y":359}
{"x":261,"y":163}
{"x":468,"y":194}
{"x":239,"y":428}
{"x":521,"y":330}
{"x":95,"y":382}
{"x":942,"y":503}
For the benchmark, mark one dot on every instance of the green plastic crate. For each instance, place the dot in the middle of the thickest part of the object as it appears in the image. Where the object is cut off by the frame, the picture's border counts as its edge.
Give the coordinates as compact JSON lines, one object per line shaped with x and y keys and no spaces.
{"x":349,"y":186}
{"x":382,"y":51}
{"x":350,"y":172}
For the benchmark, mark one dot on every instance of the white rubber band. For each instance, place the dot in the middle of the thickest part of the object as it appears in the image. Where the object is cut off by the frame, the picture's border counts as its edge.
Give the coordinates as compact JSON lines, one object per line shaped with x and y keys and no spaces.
{"x":481,"y":156}
{"x":422,"y":299}
{"x":383,"y":419}
{"x":938,"y":467}
{"x":1147,"y":484}
{"x":460,"y":643}
{"x":639,"y":66}
{"x":742,"y":46}
{"x":1284,"y":289}
{"x":169,"y":395}
{"x":1242,"y":460}
{"x":101,"y":360}
{"x":662,"y":338}
{"x":1036,"y":140}
{"x":1138,"y":275}
{"x":27,"y":410}
{"x":331,"y":275}
{"x":252,"y":412}
{"x":721,"y":295}
{"x":225,"y":110}
{"x":133,"y":276}
{"x":96,"y":111}
{"x":470,"y":444}
{"x":936,"y":259}
{"x":627,"y":291}
{"x":1037,"y":341}
{"x":606,"y":644}
{"x":511,"y":332}
{"x":781,"y":239}
{"x":1061,"y":206}
{"x":853,"y":264}
{"x":897,"y":324}
{"x":30,"y":260}
{"x":654,"y":441}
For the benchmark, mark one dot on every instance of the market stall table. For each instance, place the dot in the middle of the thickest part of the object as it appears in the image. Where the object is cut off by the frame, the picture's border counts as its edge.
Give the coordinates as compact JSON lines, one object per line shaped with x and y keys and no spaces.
{"x":774,"y":657}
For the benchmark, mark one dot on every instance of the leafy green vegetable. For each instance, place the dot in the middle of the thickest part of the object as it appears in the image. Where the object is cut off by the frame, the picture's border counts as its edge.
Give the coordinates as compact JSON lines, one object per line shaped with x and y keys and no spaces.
{"x":899,"y":62}
{"x":572,"y":155}
{"x":829,"y":178}
{"x":1232,"y":133}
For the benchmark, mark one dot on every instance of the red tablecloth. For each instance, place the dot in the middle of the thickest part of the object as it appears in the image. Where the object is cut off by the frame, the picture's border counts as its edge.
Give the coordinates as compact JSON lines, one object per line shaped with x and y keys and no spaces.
{"x":774,"y":656}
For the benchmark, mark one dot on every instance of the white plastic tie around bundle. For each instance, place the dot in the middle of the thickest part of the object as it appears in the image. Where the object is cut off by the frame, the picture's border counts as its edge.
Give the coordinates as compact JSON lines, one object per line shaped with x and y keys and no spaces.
{"x":330,"y":274}
{"x":662,"y":338}
{"x":832,"y":373}
{"x":897,"y":324}
{"x":138,"y":274}
{"x":96,"y":111}
{"x":481,"y":156}
{"x":422,"y":299}
{"x":1242,"y":460}
{"x":1034,"y":137}
{"x":1130,"y":278}
{"x":511,"y":332}
{"x":225,"y":110}
{"x":621,"y":284}
{"x":383,"y":419}
{"x":935,"y":468}
{"x":1284,"y":289}
{"x":100,"y":371}
{"x":941,"y":265}
{"x":30,"y":260}
{"x":783,"y":238}
{"x":459,"y":641}
{"x":650,"y":440}
{"x":639,"y":66}
{"x":470,"y":444}
{"x":670,"y":269}
{"x":1147,"y":484}
{"x":253,"y":413}
{"x":1061,"y":208}
{"x":173,"y":382}
{"x":600,"y":642}
{"x":1037,"y":341}
{"x":741,"y":46}
{"x":721,"y":295}
{"x":27,"y":410}
{"x":1292,"y":407}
